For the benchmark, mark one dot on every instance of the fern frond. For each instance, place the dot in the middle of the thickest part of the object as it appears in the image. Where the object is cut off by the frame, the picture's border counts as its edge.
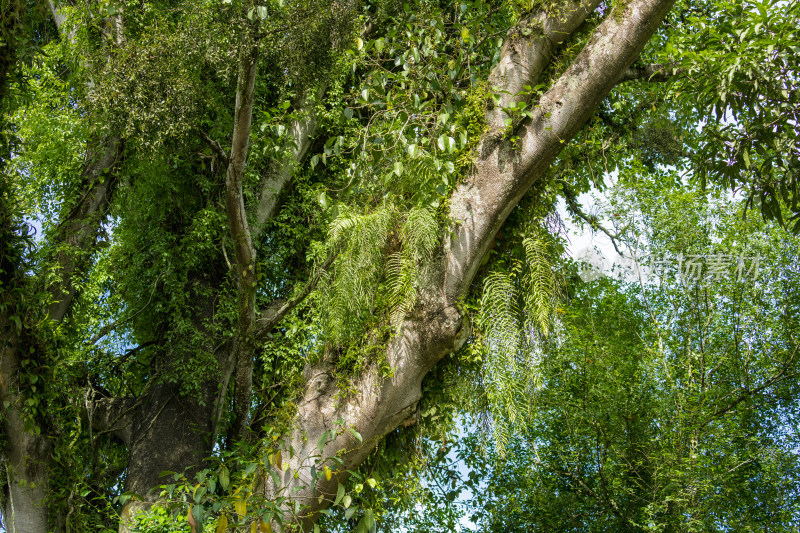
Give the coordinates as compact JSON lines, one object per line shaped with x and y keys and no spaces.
{"x":516,"y":311}
{"x":420,"y":232}
{"x":420,"y":235}
{"x":349,"y":292}
{"x":503,"y":340}
{"x":540,"y":284}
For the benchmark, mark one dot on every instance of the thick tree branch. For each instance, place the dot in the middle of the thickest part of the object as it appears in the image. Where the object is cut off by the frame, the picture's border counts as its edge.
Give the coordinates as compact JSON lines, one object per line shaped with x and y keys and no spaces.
{"x":110,"y":415}
{"x":76,"y":235}
{"x":301,"y":132}
{"x":478,"y":208}
{"x":523,"y":59}
{"x":502,"y":175}
{"x":59,"y":17}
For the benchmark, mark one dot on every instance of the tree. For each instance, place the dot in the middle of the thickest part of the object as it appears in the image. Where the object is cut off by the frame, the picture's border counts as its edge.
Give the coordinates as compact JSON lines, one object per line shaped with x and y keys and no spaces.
{"x":376,"y":152}
{"x":664,"y":402}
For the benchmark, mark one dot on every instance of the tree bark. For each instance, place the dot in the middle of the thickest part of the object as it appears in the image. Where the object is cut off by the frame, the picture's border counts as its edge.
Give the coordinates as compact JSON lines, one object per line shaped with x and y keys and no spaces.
{"x":478,"y":208}
{"x":77,"y":234}
{"x":28,"y":451}
{"x":301,"y":131}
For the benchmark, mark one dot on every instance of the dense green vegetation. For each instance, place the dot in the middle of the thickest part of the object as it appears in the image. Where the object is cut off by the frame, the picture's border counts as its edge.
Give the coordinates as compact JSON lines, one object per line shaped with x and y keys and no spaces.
{"x":292,"y":265}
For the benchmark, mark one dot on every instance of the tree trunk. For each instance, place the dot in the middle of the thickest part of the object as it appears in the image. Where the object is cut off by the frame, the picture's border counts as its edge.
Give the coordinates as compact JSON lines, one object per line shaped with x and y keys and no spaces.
{"x":26,"y":509}
{"x":169,"y":430}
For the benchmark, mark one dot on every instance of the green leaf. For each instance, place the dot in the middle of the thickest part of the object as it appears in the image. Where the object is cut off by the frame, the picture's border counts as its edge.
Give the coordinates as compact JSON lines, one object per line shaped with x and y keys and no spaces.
{"x":224,"y":478}
{"x":357,"y":435}
{"x":339,"y":494}
{"x":322,"y":198}
{"x":369,"y":519}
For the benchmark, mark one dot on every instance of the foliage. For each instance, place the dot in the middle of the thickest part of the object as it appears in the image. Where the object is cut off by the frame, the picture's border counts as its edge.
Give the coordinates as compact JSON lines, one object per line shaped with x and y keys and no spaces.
{"x":740,"y":84}
{"x":664,"y":404}
{"x":652,"y":405}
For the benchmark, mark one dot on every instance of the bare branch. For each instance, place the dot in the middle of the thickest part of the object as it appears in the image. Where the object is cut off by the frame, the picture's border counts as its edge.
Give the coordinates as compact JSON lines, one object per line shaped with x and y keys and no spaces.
{"x":215,"y":146}
{"x":281,"y":307}
{"x":594,"y":223}
{"x":657,"y":72}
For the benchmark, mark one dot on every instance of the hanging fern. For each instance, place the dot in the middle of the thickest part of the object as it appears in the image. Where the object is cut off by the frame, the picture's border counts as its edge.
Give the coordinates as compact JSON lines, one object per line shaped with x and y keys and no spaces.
{"x":504,"y":341}
{"x":540,"y":284}
{"x":363,"y":282}
{"x":419,"y":234}
{"x":516,"y":316}
{"x":349,"y":290}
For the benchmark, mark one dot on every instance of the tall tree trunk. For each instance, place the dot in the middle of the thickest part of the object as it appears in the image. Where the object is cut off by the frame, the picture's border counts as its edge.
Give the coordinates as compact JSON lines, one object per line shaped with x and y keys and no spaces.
{"x":246,"y":278}
{"x":169,"y":429}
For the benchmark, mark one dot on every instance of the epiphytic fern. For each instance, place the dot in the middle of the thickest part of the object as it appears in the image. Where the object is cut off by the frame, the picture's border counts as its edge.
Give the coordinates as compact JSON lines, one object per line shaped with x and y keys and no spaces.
{"x":504,"y":342}
{"x":515,"y":316}
{"x":541,"y":287}
{"x":351,"y":286}
{"x":419,"y":235}
{"x":362,"y":279}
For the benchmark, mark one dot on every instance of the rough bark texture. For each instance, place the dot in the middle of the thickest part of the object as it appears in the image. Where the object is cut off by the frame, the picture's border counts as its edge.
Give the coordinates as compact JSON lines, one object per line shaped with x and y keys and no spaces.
{"x":168,"y":429}
{"x":27,"y":453}
{"x":522,"y":59}
{"x":479,"y":206}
